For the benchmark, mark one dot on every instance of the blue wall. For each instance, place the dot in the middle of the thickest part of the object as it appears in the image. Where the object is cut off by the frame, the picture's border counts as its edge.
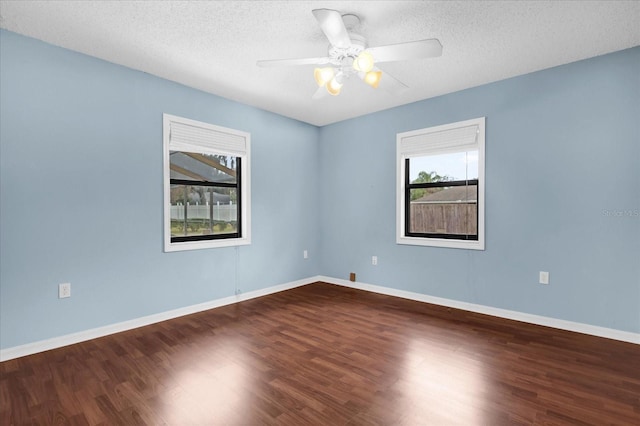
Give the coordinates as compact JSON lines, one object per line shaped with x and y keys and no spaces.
{"x":562,"y":164}
{"x":81,"y":196}
{"x":82,"y":201}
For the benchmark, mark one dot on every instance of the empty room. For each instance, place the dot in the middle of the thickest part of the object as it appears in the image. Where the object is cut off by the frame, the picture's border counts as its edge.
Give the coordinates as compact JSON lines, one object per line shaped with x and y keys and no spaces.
{"x":319,"y":212}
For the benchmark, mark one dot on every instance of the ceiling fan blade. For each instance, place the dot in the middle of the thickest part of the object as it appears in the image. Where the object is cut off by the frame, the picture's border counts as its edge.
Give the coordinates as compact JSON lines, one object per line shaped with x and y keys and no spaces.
{"x":390,"y":83}
{"x":333,"y":27}
{"x":290,"y":62}
{"x":320,"y":93}
{"x":411,"y":50}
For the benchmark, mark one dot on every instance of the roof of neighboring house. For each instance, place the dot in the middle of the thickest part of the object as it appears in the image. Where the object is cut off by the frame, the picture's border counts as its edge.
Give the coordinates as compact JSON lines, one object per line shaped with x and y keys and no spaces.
{"x":197,"y":169}
{"x":454,"y":193}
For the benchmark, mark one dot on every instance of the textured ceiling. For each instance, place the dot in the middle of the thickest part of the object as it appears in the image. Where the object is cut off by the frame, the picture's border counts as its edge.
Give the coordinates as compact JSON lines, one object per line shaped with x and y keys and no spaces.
{"x":214,"y":45}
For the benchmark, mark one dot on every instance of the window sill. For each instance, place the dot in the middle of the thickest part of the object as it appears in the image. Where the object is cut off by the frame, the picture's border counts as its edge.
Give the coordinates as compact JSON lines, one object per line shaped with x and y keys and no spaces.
{"x":207,"y":244}
{"x":441,"y":242}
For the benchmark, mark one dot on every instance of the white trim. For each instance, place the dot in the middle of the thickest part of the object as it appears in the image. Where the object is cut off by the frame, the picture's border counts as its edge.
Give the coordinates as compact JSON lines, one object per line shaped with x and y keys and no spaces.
{"x":425,"y":137}
{"x":82,"y":336}
{"x":240,"y":148}
{"x":441,"y":242}
{"x":609,"y":333}
{"x":94,"y":333}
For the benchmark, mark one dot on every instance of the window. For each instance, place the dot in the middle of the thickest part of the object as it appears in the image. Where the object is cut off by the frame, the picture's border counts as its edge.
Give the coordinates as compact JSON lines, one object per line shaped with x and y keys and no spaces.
{"x":440,"y":181}
{"x":206,"y":185}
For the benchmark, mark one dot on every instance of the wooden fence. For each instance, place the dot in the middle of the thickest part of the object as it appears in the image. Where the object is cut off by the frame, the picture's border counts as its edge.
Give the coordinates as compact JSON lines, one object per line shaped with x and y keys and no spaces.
{"x":444,"y":218}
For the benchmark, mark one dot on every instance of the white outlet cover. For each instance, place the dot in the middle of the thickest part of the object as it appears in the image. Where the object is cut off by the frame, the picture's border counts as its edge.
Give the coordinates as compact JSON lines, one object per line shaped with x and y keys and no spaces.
{"x":544,"y":277}
{"x":64,"y":290}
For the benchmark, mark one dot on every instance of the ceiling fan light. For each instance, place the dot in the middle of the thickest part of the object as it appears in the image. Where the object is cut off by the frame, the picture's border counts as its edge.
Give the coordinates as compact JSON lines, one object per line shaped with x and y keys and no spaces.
{"x":333,"y":87}
{"x":364,"y":62}
{"x":372,"y":78}
{"x":323,"y":75}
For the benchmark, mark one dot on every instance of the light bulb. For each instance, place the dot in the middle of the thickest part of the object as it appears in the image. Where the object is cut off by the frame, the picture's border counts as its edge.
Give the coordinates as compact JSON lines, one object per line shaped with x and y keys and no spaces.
{"x":323,"y":75}
{"x":372,"y":78}
{"x":333,"y":87}
{"x":364,"y":62}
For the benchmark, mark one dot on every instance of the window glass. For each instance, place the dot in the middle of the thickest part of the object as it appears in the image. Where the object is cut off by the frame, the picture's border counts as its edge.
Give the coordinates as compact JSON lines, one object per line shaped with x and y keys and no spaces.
{"x":203,"y":167}
{"x":203,"y":210}
{"x":444,"y":167}
{"x":446,"y":210}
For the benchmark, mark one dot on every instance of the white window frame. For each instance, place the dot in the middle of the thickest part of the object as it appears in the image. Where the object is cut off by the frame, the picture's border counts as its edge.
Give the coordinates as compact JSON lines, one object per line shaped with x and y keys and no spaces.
{"x":432,"y":141}
{"x":206,"y":138}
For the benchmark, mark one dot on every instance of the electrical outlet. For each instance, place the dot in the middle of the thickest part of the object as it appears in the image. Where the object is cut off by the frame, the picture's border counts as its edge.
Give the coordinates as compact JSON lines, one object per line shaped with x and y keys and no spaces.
{"x":64,"y":290}
{"x":352,"y":276}
{"x":374,"y":260}
{"x":544,"y":277}
{"x":305,"y":254}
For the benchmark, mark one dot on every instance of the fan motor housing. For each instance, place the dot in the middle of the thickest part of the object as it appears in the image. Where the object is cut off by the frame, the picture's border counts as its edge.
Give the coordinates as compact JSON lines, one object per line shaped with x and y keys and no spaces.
{"x":344,"y":56}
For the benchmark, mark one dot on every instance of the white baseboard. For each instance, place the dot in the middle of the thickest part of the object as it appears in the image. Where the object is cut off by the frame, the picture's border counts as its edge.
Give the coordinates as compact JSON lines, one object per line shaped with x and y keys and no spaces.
{"x":69,"y":339}
{"x":593,"y":330}
{"x":82,"y":336}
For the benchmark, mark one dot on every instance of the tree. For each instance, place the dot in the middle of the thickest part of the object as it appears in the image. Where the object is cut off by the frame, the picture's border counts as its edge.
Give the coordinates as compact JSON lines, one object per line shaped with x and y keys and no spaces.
{"x":430,"y":177}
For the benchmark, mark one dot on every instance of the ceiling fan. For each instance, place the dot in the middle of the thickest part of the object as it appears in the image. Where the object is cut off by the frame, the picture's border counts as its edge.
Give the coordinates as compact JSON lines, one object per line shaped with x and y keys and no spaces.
{"x":349,"y":55}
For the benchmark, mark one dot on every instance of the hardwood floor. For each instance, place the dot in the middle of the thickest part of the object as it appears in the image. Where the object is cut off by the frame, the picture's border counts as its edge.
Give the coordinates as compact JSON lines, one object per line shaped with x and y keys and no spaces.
{"x":327,"y":355}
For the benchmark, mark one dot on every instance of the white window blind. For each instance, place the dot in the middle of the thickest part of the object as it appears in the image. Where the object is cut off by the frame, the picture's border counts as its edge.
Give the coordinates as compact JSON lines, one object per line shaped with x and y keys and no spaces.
{"x":439,"y":141}
{"x":205,"y":138}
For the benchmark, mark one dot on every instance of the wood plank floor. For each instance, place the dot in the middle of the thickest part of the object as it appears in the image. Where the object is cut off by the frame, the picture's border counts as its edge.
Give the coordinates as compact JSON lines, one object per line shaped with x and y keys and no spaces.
{"x":327,"y":355}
